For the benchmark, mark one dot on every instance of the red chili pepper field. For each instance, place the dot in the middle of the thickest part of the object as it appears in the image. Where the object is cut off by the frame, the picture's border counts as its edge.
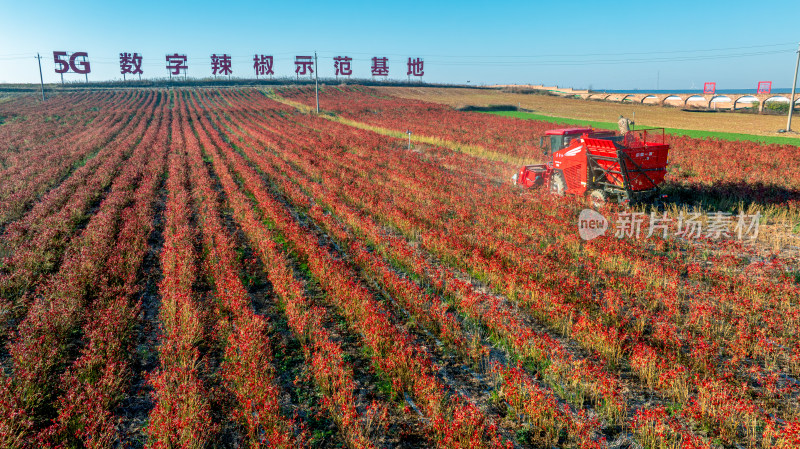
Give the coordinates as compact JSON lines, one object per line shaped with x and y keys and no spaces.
{"x":212,"y":267}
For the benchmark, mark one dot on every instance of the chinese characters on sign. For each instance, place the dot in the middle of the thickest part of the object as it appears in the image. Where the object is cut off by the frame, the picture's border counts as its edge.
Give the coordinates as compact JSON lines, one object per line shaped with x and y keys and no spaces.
{"x":712,"y":226}
{"x":380,"y":66}
{"x":263,"y":65}
{"x":303,"y":65}
{"x":341,"y":65}
{"x":130,"y":64}
{"x":176,"y":63}
{"x":415,"y":67}
{"x":221,"y":64}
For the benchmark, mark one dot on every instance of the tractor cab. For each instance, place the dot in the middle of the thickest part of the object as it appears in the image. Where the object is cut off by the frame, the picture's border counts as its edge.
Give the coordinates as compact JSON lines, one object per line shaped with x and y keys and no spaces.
{"x":558,"y":139}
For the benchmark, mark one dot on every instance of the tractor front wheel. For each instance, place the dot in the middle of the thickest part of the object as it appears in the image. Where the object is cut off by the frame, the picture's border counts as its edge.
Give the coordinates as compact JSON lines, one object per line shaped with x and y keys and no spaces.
{"x":558,"y":185}
{"x":598,"y":198}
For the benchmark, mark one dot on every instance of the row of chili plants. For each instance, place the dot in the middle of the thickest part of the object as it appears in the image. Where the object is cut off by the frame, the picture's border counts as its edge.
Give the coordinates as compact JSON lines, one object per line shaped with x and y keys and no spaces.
{"x":82,"y":313}
{"x":181,"y":414}
{"x":42,"y":167}
{"x":38,"y":241}
{"x":452,"y":421}
{"x":64,"y":115}
{"x":99,"y":380}
{"x":245,"y":370}
{"x":326,"y":358}
{"x":425,"y":118}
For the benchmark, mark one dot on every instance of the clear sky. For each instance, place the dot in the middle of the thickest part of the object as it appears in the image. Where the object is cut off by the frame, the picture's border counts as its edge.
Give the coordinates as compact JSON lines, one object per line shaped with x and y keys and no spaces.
{"x":581,"y":44}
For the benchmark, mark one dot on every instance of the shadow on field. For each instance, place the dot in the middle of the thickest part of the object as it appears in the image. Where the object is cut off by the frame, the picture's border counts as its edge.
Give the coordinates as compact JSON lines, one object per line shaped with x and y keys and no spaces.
{"x":489,"y":108}
{"x":728,"y":196}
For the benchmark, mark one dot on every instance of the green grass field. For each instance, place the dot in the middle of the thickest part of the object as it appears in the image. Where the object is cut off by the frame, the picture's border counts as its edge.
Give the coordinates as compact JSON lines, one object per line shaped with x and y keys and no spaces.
{"x":682,"y":132}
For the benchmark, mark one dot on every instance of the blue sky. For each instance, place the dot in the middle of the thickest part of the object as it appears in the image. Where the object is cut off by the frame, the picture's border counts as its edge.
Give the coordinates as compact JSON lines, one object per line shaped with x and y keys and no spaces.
{"x":603,"y":45}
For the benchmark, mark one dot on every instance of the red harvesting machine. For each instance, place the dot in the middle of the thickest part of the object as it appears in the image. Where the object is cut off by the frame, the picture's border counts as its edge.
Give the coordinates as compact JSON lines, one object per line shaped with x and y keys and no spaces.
{"x":600,"y":164}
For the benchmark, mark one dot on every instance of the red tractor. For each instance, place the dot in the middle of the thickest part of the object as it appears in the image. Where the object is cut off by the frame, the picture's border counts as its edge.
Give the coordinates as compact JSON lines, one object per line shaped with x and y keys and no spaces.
{"x":600,"y":164}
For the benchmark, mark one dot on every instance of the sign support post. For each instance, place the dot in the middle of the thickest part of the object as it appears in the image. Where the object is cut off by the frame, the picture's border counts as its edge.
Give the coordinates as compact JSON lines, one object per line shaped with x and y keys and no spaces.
{"x":794,"y":89}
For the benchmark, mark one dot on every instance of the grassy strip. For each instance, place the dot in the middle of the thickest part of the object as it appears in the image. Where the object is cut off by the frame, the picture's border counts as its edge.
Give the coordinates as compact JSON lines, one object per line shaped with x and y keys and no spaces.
{"x":697,"y":134}
{"x":473,"y":150}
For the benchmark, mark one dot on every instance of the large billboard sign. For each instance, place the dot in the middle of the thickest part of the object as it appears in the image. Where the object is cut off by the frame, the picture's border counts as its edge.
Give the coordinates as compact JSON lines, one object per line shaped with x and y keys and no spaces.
{"x":131,"y":63}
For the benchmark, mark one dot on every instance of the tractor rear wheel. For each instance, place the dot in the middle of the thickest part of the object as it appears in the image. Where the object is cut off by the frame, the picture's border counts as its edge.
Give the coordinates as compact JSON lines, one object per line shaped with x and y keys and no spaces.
{"x":557,"y":184}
